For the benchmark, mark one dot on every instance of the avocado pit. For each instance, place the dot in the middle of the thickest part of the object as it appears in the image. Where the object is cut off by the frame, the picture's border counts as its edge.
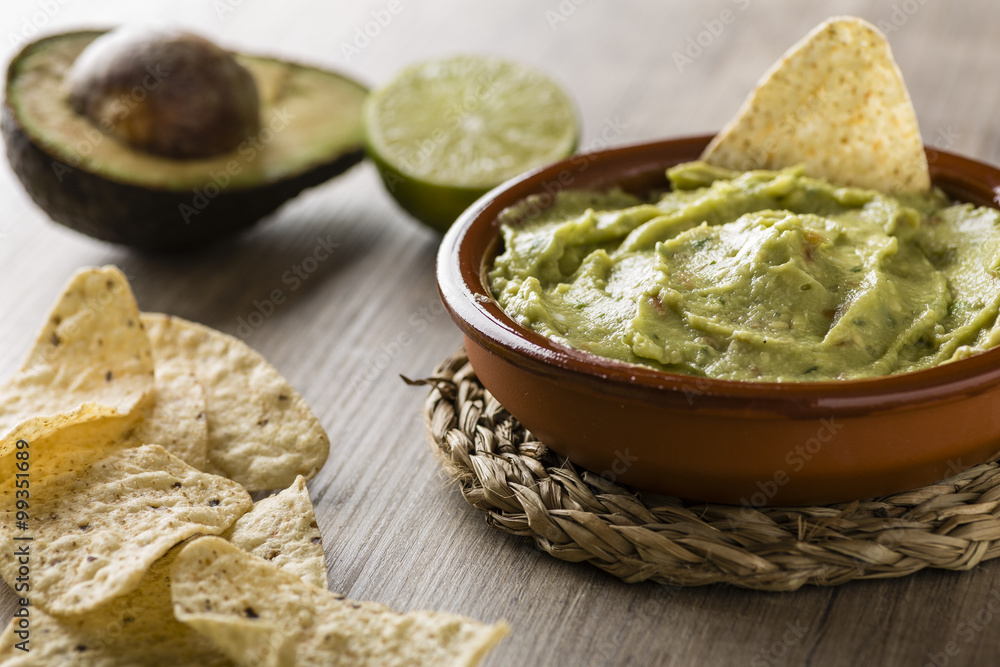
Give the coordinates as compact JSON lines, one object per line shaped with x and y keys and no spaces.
{"x":167,"y":92}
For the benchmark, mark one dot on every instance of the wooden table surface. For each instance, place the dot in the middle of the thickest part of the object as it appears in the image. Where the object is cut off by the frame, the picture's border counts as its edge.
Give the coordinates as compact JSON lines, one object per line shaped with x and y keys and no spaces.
{"x":395,"y":530}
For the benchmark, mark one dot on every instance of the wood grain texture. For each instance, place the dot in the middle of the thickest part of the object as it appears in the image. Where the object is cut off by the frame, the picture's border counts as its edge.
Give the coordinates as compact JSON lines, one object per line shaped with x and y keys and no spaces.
{"x":394,"y":531}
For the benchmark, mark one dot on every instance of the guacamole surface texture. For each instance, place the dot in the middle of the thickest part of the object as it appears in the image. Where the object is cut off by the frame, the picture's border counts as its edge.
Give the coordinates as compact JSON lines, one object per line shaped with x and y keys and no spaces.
{"x":760,"y":275}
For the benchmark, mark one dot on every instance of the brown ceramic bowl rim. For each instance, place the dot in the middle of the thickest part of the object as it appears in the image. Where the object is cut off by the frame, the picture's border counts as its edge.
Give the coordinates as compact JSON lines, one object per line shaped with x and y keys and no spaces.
{"x":469,"y":247}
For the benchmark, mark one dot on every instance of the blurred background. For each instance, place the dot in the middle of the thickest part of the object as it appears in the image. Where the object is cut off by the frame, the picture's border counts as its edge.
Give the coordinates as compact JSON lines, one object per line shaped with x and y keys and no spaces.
{"x":657,"y":63}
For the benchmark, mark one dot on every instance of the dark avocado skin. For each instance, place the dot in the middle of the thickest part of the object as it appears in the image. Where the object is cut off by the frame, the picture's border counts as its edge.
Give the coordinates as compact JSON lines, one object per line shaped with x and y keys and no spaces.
{"x":144,"y":218}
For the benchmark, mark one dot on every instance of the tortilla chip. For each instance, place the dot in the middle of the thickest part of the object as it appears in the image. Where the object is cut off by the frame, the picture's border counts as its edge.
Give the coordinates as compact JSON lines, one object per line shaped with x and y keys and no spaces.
{"x":99,"y":522}
{"x":282,"y":529}
{"x":835,"y":102}
{"x":87,"y":428}
{"x":214,"y":583}
{"x":91,"y":360}
{"x":175,"y":419}
{"x":261,"y":432}
{"x":138,"y":628}
{"x":130,"y":629}
{"x":268,"y":646}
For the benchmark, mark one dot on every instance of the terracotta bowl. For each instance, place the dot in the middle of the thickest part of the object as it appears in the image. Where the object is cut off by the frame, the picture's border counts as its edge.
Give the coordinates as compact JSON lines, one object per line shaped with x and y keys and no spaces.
{"x":748,"y":443}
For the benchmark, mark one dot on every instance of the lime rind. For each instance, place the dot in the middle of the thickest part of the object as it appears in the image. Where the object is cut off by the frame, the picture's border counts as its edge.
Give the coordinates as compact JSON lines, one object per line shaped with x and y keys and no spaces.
{"x":435,"y":205}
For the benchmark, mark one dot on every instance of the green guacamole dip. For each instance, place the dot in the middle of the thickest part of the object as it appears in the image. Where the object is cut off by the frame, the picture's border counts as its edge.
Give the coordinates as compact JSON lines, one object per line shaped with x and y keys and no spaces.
{"x":762,"y":275}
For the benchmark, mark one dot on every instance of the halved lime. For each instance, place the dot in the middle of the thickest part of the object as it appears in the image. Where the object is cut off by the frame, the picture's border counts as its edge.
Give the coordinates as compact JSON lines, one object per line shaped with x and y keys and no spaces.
{"x":444,"y":132}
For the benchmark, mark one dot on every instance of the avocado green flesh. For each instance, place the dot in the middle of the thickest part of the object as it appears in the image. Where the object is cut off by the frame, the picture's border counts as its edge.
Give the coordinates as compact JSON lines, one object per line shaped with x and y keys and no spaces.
{"x":763,"y":275}
{"x":308,"y":118}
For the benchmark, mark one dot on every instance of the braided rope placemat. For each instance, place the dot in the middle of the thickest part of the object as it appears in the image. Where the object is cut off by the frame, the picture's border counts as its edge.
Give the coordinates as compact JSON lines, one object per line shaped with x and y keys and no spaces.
{"x":575,"y":515}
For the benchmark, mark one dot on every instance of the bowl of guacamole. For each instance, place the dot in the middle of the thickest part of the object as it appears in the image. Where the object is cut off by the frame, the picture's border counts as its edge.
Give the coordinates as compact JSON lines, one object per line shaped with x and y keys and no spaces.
{"x":757,"y":337}
{"x":758,"y":276}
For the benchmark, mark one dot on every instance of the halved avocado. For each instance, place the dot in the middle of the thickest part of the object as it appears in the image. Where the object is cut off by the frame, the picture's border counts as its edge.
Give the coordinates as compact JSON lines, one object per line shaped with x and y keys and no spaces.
{"x":310,"y":131}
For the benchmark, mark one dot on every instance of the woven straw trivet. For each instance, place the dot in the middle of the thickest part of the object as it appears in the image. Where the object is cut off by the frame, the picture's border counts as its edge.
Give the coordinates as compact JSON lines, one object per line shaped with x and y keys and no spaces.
{"x":575,"y":515}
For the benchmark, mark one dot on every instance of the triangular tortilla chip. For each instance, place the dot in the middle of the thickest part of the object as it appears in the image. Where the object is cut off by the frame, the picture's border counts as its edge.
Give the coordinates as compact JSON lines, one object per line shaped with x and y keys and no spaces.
{"x":138,"y":628}
{"x":261,"y":432}
{"x":97,"y":523}
{"x":91,"y":360}
{"x":215,"y":583}
{"x":88,"y":429}
{"x":282,"y":529}
{"x":835,"y":102}
{"x":259,"y":643}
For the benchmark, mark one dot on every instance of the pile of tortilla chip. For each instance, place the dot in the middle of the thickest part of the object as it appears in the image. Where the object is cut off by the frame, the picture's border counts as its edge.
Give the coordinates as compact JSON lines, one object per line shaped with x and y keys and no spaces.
{"x":131,"y":443}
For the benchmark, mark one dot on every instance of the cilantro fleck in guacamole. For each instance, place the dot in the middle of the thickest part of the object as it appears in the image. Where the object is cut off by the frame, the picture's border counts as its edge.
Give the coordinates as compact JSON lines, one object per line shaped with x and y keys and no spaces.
{"x":762,"y":275}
